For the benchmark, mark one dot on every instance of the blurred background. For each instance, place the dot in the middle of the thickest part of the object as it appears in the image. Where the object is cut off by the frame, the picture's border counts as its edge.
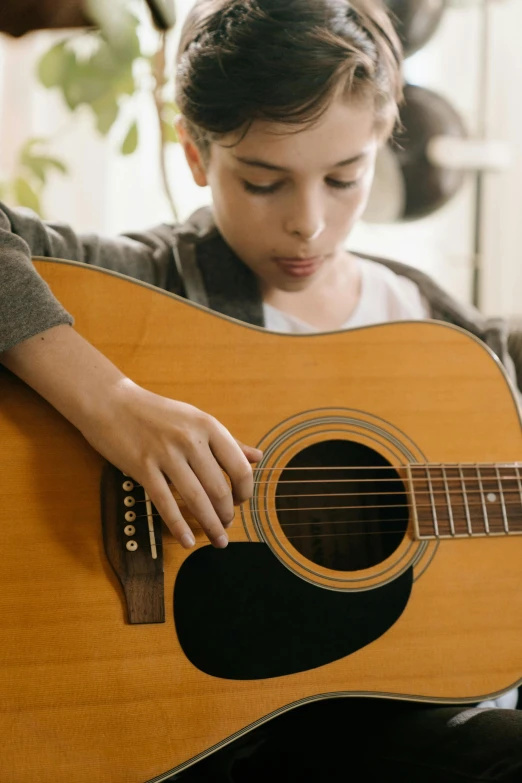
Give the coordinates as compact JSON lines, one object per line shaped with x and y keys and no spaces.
{"x":86,"y":138}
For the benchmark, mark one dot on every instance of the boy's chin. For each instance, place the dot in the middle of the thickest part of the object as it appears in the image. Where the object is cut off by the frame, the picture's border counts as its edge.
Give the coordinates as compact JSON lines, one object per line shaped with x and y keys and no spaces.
{"x":294,"y":286}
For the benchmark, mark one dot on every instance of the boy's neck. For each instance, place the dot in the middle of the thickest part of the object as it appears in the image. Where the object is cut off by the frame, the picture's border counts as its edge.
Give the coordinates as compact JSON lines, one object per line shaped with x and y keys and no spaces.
{"x":328,"y":302}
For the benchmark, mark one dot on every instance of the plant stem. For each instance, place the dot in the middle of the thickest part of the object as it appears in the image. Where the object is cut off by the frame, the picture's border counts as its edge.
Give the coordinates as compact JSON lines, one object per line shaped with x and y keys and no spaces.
{"x":160,"y":81}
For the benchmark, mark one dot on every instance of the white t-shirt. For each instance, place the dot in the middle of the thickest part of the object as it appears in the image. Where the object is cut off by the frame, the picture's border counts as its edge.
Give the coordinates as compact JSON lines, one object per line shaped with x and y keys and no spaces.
{"x":385,"y":296}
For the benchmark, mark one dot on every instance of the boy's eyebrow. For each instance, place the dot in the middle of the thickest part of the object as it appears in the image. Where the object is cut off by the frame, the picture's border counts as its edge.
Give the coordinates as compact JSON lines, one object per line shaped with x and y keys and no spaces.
{"x":262,"y":164}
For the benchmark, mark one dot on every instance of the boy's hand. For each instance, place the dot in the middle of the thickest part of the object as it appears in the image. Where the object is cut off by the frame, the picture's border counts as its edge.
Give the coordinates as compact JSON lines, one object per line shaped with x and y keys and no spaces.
{"x":152,"y":439}
{"x":145,"y":435}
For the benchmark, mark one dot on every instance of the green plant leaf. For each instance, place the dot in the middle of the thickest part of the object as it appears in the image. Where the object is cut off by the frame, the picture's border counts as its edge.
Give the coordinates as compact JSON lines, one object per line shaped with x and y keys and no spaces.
{"x":85,"y":86}
{"x":86,"y":80}
{"x":130,"y":143}
{"x":124,"y":41}
{"x":34,"y":141}
{"x":106,"y":110}
{"x":34,"y":159}
{"x":54,"y":163}
{"x":54,"y":65}
{"x":25,"y":195}
{"x":127,"y":84}
{"x":40,"y":166}
{"x":71,"y":89}
{"x":37,"y":169}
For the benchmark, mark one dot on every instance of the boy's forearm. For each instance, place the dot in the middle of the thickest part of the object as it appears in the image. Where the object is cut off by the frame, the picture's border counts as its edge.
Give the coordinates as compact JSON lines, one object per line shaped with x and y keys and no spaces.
{"x":67,"y":371}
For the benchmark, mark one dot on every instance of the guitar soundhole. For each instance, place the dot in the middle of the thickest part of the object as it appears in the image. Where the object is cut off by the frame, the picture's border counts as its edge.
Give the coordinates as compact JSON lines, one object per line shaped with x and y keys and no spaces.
{"x":342,"y":505}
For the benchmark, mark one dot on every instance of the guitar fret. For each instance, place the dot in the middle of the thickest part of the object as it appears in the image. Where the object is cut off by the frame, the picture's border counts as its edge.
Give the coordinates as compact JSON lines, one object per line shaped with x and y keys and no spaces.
{"x":519,"y":482}
{"x":432,"y":497}
{"x":416,"y":521}
{"x":483,"y":500}
{"x":446,"y":523}
{"x":448,"y":500}
{"x":496,"y":509}
{"x":513,"y":500}
{"x":502,"y":500}
{"x":465,"y":500}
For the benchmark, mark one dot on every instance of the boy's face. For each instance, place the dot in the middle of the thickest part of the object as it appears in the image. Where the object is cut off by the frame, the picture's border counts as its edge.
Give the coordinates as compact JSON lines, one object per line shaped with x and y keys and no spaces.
{"x":285,"y":201}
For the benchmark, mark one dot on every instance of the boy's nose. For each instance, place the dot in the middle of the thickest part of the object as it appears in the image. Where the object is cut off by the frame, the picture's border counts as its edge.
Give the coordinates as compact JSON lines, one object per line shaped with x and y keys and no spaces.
{"x":306,"y":227}
{"x":308,"y":235}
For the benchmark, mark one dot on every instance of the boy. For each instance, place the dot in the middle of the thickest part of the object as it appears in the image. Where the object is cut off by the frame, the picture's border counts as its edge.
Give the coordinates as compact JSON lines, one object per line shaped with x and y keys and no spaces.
{"x":284,"y":107}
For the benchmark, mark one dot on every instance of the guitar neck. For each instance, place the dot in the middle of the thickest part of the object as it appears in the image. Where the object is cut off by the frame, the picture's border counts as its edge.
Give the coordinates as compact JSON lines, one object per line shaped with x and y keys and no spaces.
{"x":469,"y":501}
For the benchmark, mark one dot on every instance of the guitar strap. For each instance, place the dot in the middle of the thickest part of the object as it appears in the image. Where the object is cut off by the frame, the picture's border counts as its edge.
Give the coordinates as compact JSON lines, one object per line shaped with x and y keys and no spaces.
{"x":184,"y":253}
{"x":183,"y":271}
{"x":212,"y":274}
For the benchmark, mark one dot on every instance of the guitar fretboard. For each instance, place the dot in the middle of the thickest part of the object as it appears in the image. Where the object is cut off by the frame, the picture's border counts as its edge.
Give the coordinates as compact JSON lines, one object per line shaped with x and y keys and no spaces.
{"x":452,"y":501}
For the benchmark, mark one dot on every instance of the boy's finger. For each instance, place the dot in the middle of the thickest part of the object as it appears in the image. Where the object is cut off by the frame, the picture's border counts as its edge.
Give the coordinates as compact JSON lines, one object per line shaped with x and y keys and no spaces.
{"x":160,"y":494}
{"x":213,"y":481}
{"x":235,"y":463}
{"x":252,"y":454}
{"x":198,"y":502}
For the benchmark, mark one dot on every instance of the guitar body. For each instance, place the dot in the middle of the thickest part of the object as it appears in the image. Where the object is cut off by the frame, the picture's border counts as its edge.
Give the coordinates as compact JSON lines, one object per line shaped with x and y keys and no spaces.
{"x":264,"y":625}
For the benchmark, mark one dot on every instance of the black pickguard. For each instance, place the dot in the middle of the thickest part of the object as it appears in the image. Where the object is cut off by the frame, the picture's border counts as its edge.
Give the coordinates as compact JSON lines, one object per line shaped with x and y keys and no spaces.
{"x":241,"y":614}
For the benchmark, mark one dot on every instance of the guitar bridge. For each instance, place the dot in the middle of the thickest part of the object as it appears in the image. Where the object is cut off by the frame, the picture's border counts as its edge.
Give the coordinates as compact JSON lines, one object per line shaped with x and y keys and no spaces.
{"x":132,"y":539}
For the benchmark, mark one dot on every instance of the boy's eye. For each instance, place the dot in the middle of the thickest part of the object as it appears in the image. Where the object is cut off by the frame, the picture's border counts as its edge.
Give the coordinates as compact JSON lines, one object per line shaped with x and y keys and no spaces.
{"x":261,"y":190}
{"x":341,"y":184}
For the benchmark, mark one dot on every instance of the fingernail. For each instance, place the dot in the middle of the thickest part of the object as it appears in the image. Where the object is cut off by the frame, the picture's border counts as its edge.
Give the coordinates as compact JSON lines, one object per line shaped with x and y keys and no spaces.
{"x":221,"y":542}
{"x":188,"y":541}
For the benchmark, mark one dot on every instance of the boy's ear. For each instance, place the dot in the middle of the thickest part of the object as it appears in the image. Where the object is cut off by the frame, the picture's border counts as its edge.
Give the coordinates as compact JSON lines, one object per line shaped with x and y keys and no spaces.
{"x":192,"y":153}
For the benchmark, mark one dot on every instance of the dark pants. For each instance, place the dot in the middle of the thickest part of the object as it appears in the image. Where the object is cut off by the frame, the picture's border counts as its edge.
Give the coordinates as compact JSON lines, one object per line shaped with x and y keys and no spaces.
{"x":372,"y":740}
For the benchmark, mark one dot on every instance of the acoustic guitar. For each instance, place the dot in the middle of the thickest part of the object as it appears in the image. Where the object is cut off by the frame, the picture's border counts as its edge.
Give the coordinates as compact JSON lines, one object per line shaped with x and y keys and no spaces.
{"x":380,"y":554}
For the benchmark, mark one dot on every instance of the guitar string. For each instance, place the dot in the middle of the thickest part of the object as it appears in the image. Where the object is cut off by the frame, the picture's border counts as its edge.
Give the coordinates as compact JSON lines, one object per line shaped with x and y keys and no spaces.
{"x":421,"y":479}
{"x":418,"y":506}
{"x":479,"y":481}
{"x":401,"y":492}
{"x":447,"y":536}
{"x":414,"y":465}
{"x":362,"y":522}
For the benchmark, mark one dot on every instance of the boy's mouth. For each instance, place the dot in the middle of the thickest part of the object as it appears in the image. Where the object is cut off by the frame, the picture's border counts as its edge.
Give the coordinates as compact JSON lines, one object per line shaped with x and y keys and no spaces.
{"x":299,"y":267}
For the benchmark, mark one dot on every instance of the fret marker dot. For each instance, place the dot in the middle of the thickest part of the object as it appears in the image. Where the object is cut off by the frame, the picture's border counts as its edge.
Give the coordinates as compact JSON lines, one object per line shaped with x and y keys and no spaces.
{"x":491,"y":497}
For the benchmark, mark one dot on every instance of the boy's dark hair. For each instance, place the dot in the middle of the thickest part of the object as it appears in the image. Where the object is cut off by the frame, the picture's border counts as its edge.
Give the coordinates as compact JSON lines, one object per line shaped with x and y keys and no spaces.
{"x":283,"y":61}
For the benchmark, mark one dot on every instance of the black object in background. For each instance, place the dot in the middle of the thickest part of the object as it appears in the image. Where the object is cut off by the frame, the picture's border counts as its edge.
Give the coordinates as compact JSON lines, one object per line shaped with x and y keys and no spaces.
{"x":416,"y":21}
